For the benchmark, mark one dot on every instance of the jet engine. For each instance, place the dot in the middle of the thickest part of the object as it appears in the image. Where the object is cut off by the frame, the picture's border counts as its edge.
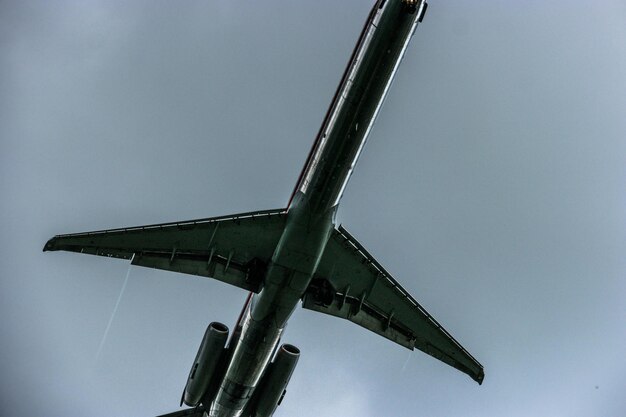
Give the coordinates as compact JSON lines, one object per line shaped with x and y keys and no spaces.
{"x":207,"y":360}
{"x":274,"y":383}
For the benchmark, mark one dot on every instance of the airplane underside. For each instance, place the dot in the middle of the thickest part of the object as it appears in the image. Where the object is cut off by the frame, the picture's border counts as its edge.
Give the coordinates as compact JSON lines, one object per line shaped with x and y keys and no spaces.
{"x":296,"y":255}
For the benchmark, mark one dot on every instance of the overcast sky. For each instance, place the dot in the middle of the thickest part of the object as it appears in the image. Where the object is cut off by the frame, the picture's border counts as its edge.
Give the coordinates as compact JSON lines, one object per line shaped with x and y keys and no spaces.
{"x":493,"y":187}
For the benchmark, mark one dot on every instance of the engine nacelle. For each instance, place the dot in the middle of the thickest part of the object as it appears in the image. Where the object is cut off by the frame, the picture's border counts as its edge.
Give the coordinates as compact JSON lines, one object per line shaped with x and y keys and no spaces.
{"x":207,"y":360}
{"x":273,"y":385}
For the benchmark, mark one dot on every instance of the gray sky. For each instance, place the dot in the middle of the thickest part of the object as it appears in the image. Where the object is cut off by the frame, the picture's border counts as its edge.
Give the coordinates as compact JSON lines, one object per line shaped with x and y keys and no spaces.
{"x":492,"y":187}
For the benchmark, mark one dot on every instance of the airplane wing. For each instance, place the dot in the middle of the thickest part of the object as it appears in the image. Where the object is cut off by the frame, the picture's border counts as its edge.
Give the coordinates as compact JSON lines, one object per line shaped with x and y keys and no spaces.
{"x":234,"y":249}
{"x":350,"y":284}
{"x":189,"y":412}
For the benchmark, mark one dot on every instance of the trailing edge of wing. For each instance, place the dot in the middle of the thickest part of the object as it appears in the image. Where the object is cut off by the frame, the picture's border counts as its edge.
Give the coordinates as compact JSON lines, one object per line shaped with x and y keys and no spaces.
{"x":350,"y":284}
{"x":234,"y":249}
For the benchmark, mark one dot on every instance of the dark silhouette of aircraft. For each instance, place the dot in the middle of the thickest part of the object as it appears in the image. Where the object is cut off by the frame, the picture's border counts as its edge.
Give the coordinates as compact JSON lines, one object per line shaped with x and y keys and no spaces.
{"x":292,"y":255}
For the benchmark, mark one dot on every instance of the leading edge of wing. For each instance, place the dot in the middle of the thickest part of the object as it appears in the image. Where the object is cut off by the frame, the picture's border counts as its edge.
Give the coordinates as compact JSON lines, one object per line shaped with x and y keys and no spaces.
{"x":53,"y":244}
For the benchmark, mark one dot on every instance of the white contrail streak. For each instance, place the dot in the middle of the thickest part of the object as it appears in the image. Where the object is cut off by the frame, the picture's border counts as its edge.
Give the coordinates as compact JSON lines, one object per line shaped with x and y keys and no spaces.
{"x":406,"y":361}
{"x":117,"y":304}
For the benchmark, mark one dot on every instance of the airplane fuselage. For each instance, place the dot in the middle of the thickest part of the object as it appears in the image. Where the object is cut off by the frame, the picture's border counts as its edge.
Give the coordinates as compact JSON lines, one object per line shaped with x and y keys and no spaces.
{"x":314,"y":202}
{"x":285,"y":256}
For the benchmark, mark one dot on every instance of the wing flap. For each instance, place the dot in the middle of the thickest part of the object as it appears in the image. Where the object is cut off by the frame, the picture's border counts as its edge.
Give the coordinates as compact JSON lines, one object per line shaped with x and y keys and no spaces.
{"x":233,"y":249}
{"x":352,"y":285}
{"x":234,"y":274}
{"x":364,"y":316}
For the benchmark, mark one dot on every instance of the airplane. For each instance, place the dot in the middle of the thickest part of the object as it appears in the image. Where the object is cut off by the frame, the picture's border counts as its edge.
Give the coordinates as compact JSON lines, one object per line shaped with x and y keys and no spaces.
{"x":292,"y":255}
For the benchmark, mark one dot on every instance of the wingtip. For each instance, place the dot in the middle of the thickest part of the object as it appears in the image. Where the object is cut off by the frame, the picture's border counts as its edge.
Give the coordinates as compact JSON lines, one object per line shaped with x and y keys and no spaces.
{"x":480,"y":378}
{"x":49,"y":245}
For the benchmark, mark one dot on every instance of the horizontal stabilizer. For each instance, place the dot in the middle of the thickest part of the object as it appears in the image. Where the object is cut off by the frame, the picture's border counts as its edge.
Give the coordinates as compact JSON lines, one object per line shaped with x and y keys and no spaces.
{"x":350,"y":284}
{"x":234,"y":249}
